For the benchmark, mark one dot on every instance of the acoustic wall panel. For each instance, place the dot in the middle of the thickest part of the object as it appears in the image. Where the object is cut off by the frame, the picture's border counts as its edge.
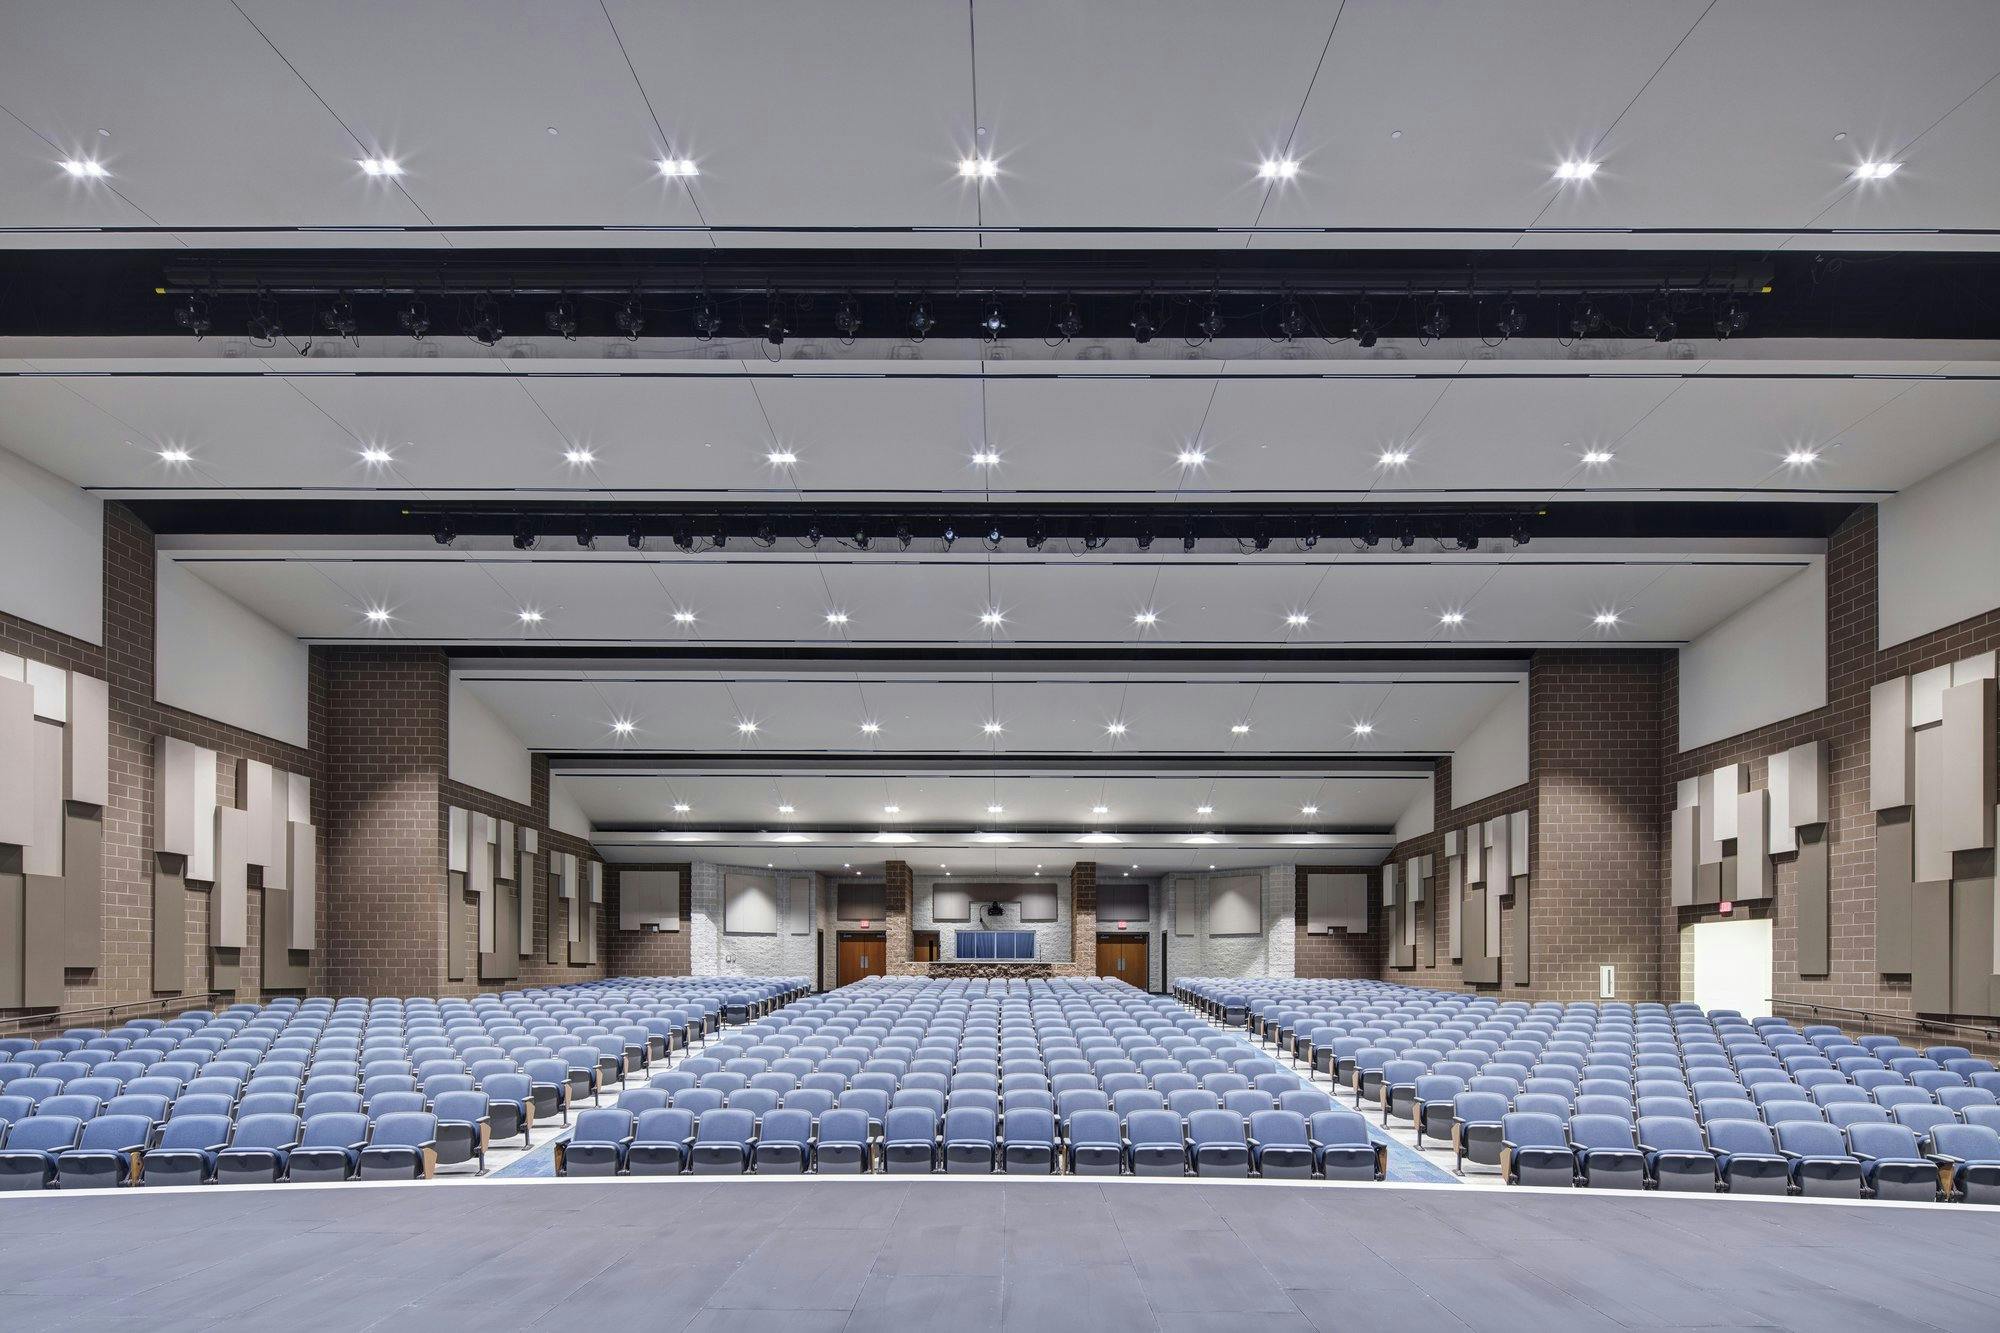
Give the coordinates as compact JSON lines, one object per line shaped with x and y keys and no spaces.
{"x":1491,"y":933}
{"x":1037,"y":901}
{"x":1427,"y":938}
{"x":1930,"y":947}
{"x":859,"y":902}
{"x":950,"y":904}
{"x":87,"y":741}
{"x":1236,"y":905}
{"x":17,"y":766}
{"x":1681,"y":855}
{"x":1455,"y":905}
{"x":1392,"y":885}
{"x":1499,"y":878}
{"x":277,"y":870}
{"x":1517,"y":843}
{"x":1813,"y":911}
{"x":1517,"y":935}
{"x":749,"y":904}
{"x":1753,"y":857}
{"x":174,"y":783}
{"x":1184,"y":905}
{"x":1708,"y":846}
{"x":1475,"y":855}
{"x":1891,"y":745}
{"x":169,"y":925}
{"x":42,"y":942}
{"x":531,"y":841}
{"x":799,"y":905}
{"x":1797,"y":784}
{"x":1965,"y":820}
{"x":298,"y":798}
{"x":83,"y":887}
{"x":1336,"y":903}
{"x":1728,"y":783}
{"x":526,"y":904}
{"x":596,"y":875}
{"x":1123,"y":902}
{"x":459,"y":927}
{"x":229,"y":902}
{"x":302,"y":870}
{"x":1451,"y":842}
{"x":1979,"y":667}
{"x":1892,"y":892}
{"x":13,"y":901}
{"x":43,"y":853}
{"x":479,"y":884}
{"x":51,"y":686}
{"x":1708,"y":883}
{"x":507,"y":859}
{"x":1479,"y":968}
{"x":458,"y":840}
{"x":253,"y":794}
{"x":1687,"y":794}
{"x":1413,"y":880}
{"x":201,"y":861}
{"x":1932,"y":856}
{"x":649,"y":899}
{"x":1972,"y":981}
{"x":1927,"y":696}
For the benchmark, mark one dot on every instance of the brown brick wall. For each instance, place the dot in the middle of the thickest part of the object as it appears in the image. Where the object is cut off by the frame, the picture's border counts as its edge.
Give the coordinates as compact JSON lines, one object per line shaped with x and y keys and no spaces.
{"x":1854,"y":665}
{"x":656,"y":954}
{"x":899,"y":891}
{"x":1447,"y":975}
{"x":126,"y":661}
{"x":1083,"y":916}
{"x":1342,"y":954}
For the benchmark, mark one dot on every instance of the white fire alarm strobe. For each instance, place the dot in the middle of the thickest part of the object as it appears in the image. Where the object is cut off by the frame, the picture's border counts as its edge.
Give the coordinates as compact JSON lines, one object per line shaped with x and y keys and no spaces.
{"x":1607,"y":982}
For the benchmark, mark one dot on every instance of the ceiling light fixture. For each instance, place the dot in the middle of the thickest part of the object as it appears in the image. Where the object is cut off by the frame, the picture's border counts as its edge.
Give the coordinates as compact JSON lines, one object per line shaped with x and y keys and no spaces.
{"x":1278,"y":169}
{"x":375,"y":457}
{"x":1298,"y":619}
{"x":996,"y":809}
{"x":381,"y":166}
{"x":1876,"y":171}
{"x":892,"y":809}
{"x":781,"y":458}
{"x":1605,"y":619}
{"x":1099,"y":810}
{"x":1452,"y":618}
{"x":836,"y":617}
{"x":175,"y":454}
{"x":679,"y":167}
{"x":579,"y":457}
{"x":1145,"y":618}
{"x":84,"y":168}
{"x":1802,"y":457}
{"x":530,"y":616}
{"x":1191,"y":458}
{"x":622,"y":727}
{"x":1308,"y":809}
{"x":1240,"y":729}
{"x":684,"y":617}
{"x":1204,"y":809}
{"x":1394,"y":457}
{"x":378,"y":615}
{"x":992,"y":728}
{"x":1364,"y":728}
{"x":978,"y":168}
{"x":747,"y":727}
{"x":1115,"y":728}
{"x":1576,"y":170}
{"x":682,"y":807}
{"x":992,"y":618}
{"x":871,"y":728}
{"x":786,"y":810}
{"x":986,"y":458}
{"x":1597,"y":457}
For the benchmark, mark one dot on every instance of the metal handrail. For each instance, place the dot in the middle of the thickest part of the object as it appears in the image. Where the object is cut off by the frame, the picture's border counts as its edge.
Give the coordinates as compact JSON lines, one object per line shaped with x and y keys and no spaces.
{"x":1918,"y":1024}
{"x":56,"y":1019}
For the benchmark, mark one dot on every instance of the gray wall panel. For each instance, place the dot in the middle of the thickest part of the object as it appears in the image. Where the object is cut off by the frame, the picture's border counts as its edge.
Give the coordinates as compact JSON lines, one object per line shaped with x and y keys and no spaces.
{"x":1891,"y":749}
{"x":1972,"y":982}
{"x":1892,"y":892}
{"x":1932,"y":858}
{"x":87,"y":741}
{"x":12,"y":890}
{"x":1753,"y":860}
{"x":526,"y":931}
{"x":1186,"y":913}
{"x":43,"y":853}
{"x":649,"y":898}
{"x":17,"y":766}
{"x":1681,"y":855}
{"x":83,"y":886}
{"x":557,"y":940}
{"x":1966,"y":819}
{"x":1455,"y":905}
{"x":228,"y":905}
{"x":1427,"y":940}
{"x":459,"y":927}
{"x":749,"y":904}
{"x":1927,"y":696}
{"x":1815,"y":941}
{"x":1708,"y":883}
{"x":1518,"y":952}
{"x":859,"y":902}
{"x":1930,"y":947}
{"x":41,"y":942}
{"x":225,"y":970}
{"x":302,"y":869}
{"x":1472,"y":936}
{"x":169,"y":925}
{"x":1236,"y":905}
{"x":253,"y":793}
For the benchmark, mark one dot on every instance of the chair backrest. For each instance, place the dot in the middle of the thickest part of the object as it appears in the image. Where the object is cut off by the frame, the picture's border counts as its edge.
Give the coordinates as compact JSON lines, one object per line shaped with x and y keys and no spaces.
{"x":1529,"y":1129}
{"x":1968,"y":1143}
{"x":1793,"y":1113}
{"x":1600,"y":1131}
{"x":272,"y":1131}
{"x":1668,"y":1133}
{"x":1340,"y":1127}
{"x":1215,"y":1127}
{"x":608,"y":1124}
{"x":1153,"y":1128}
{"x":1543,"y":1103}
{"x":1812,"y":1138}
{"x":1097,"y":1127}
{"x":970,"y":1123}
{"x":195,"y":1131}
{"x":1901,"y":1095}
{"x":848,"y":1125}
{"x":116,"y":1133}
{"x":1751,"y":1137}
{"x":1473,"y":1107}
{"x":905,"y":1123}
{"x":1278,"y":1128}
{"x":395,"y":1103}
{"x":460,"y":1107}
{"x":403,"y":1129}
{"x":1310,"y":1101}
{"x":44,"y":1133}
{"x":1923,"y":1119}
{"x":1846,"y":1114}
{"x":1024,"y":1125}
{"x":79,"y":1104}
{"x":1896,"y":1143}
{"x":663,"y":1124}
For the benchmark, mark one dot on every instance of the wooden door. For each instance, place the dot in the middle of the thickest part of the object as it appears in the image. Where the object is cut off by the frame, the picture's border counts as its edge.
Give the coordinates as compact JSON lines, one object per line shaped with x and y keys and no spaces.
{"x":860,"y":956}
{"x":924,"y":946}
{"x":1123,"y":957}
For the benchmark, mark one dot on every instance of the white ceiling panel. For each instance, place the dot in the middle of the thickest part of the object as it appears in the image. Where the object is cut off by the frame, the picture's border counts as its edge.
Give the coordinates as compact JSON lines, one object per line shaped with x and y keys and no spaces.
{"x":1093,"y":432}
{"x":1735,"y":433}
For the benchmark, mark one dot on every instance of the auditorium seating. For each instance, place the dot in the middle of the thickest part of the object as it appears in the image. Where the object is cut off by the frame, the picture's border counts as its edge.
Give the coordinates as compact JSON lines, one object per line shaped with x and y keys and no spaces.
{"x":1636,"y":1095}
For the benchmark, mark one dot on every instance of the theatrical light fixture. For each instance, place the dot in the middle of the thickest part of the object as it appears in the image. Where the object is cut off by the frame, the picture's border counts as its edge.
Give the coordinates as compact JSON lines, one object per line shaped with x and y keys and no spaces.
{"x":84,"y":168}
{"x":1143,"y":539}
{"x":1660,"y":323}
{"x":1585,"y":320}
{"x":766,"y":537}
{"x":1576,"y":170}
{"x":192,"y":315}
{"x":630,"y":318}
{"x":579,"y":457}
{"x":265,"y":325}
{"x":447,"y":530}
{"x":485,"y":328}
{"x":992,"y":324}
{"x":586,"y":532}
{"x":1069,"y":321}
{"x":1115,"y":728}
{"x":678,"y":167}
{"x":1037,"y":534}
{"x":1211,"y":324}
{"x":1100,"y":809}
{"x":1596,"y":457}
{"x":561,"y":320}
{"x":861,"y":540}
{"x":978,"y":168}
{"x":1366,"y":335}
{"x":1240,"y":729}
{"x":524,"y":536}
{"x":381,"y":166}
{"x":1435,"y":325}
{"x":775,"y":327}
{"x":1605,"y":619}
{"x":1191,"y":457}
{"x":1144,"y":326}
{"x":378,"y":615}
{"x":1260,"y":541}
{"x":338,"y":318}
{"x":622,"y":727}
{"x":375,"y":457}
{"x":992,"y":728}
{"x":1452,"y":618}
{"x":530,"y":616}
{"x":847,"y":319}
{"x":1364,"y":728}
{"x":1867,"y":171}
{"x":1145,"y":618}
{"x":1731,"y":321}
{"x":1292,"y":322}
{"x":682,"y":807}
{"x":781,"y":458}
{"x":1394,"y":457}
{"x":175,"y":455}
{"x":1188,"y":540}
{"x":921,"y":320}
{"x":904,"y":536}
{"x":1278,"y":169}
{"x":415,"y":319}
{"x":1802,"y":457}
{"x":747,"y":727}
{"x":836,"y":617}
{"x":1511,"y":322}
{"x":707,"y":323}
{"x":684,"y":617}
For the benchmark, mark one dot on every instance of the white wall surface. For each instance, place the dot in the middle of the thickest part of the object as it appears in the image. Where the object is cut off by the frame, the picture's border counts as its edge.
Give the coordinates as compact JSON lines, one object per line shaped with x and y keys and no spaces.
{"x":1762,"y":665}
{"x":565,"y":815}
{"x":1271,"y":954}
{"x":1495,"y":756}
{"x":711,"y":952}
{"x":1052,"y":938}
{"x":1732,"y":964}
{"x":216,"y":657}
{"x":483,"y":753}
{"x":1939,"y":550}
{"x":51,"y":551}
{"x":1420,"y":816}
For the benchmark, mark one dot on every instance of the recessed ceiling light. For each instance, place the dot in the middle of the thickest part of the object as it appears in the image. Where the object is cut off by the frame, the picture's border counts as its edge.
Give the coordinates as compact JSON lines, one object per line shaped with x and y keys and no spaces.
{"x":996,"y":809}
{"x":1605,"y":619}
{"x":1452,"y":618}
{"x":786,"y":810}
{"x":1297,"y":618}
{"x":1364,"y":728}
{"x":1240,"y":729}
{"x":374,"y":456}
{"x":1204,"y":809}
{"x":1115,"y":728}
{"x":1100,"y":809}
{"x":1277,"y":169}
{"x":682,"y":807}
{"x":1191,"y":457}
{"x":679,"y":166}
{"x":84,"y":169}
{"x":378,"y":615}
{"x":176,"y":456}
{"x":747,"y":727}
{"x":992,"y":618}
{"x":892,"y":809}
{"x":381,"y":166}
{"x":1145,"y":618}
{"x":1308,"y":809}
{"x":871,"y":728}
{"x":993,"y":728}
{"x":781,"y":458}
{"x":1576,"y":170}
{"x":1394,"y":457}
{"x":1802,"y":457}
{"x":530,"y":616}
{"x":579,"y":457}
{"x":986,"y":458}
{"x":836,"y":617}
{"x":1876,"y":171}
{"x":622,"y":727}
{"x":978,"y":168}
{"x":684,"y":617}
{"x":1597,"y":457}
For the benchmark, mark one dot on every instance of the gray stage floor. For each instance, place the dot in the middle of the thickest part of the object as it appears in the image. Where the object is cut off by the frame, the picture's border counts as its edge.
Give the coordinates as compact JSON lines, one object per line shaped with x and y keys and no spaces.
{"x":771,"y":1255}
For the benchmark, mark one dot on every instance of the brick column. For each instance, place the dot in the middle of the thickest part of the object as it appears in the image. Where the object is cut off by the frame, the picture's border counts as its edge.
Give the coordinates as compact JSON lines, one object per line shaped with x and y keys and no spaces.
{"x":1083,"y":916}
{"x":898,"y":888}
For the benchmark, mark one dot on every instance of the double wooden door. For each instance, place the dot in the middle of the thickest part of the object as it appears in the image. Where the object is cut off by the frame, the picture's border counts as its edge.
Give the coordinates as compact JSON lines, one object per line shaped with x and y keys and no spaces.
{"x":1123,"y":957}
{"x":860,"y":954}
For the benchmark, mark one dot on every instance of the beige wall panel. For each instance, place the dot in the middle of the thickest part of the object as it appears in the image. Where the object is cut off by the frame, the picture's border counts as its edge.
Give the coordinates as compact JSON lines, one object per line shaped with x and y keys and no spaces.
{"x":1728,"y":785}
{"x":229,"y":903}
{"x":13,"y":901}
{"x":1681,"y":855}
{"x":1972,"y":981}
{"x":556,"y":940}
{"x":1184,"y":906}
{"x":201,"y":861}
{"x":950,"y":904}
{"x":458,"y":927}
{"x":253,"y":794}
{"x":1753,"y":858}
{"x":1490,"y":934}
{"x":173,"y":795}
{"x":458,"y":840}
{"x":864,"y":902}
{"x":1927,"y":696}
{"x":1517,"y":844}
{"x":1966,"y":820}
{"x":1980,"y":666}
{"x":479,"y":883}
{"x":17,"y":763}
{"x":278,"y":870}
{"x":302,"y":871}
{"x":51,"y":686}
{"x":596,"y":883}
{"x":1930,"y":947}
{"x":1392,"y":885}
{"x":83,"y":887}
{"x":298,"y":798}
{"x":1499,"y":861}
{"x":526,"y":903}
{"x":1815,"y":942}
{"x":507,"y":856}
{"x":43,"y":853}
{"x":87,"y":741}
{"x":1891,"y":746}
{"x":1455,"y":905}
{"x":1475,"y":855}
{"x":169,"y":925}
{"x":1518,"y":950}
{"x":1452,"y":840}
{"x":649,"y":898}
{"x":1708,"y":846}
{"x":1893,"y":866}
{"x":1236,"y":905}
{"x":1932,"y":857}
{"x":531,"y":841}
{"x":42,"y":941}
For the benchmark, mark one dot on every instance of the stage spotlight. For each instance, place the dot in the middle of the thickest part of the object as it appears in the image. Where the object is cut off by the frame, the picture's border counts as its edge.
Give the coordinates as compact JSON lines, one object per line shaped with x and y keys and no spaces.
{"x":1211,"y":321}
{"x":1260,"y":541}
{"x":635,"y":536}
{"x":586,"y":533}
{"x":1037,"y":534}
{"x":485,"y":328}
{"x":1144,"y":326}
{"x":684,"y":539}
{"x":921,"y":320}
{"x":904,"y":536}
{"x":1370,"y":535}
{"x":561,"y":319}
{"x":1511,"y":323}
{"x":1436,"y":324}
{"x":265,"y":325}
{"x":1292,"y":323}
{"x":1144,"y":541}
{"x":1069,"y":322}
{"x":1188,"y":539}
{"x":1660,"y":322}
{"x":1521,"y":533}
{"x":447,"y":530}
{"x":813,"y":534}
{"x":993,"y":323}
{"x":774,"y":321}
{"x":524,"y":536}
{"x":861,"y":540}
{"x":192,"y":315}
{"x":338,"y":319}
{"x":766,"y":537}
{"x":1731,"y":321}
{"x":1407,"y":538}
{"x":1584,"y":321}
{"x":720,"y":539}
{"x":415,"y":319}
{"x":847,"y":319}
{"x":707,"y":323}
{"x":630,"y":318}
